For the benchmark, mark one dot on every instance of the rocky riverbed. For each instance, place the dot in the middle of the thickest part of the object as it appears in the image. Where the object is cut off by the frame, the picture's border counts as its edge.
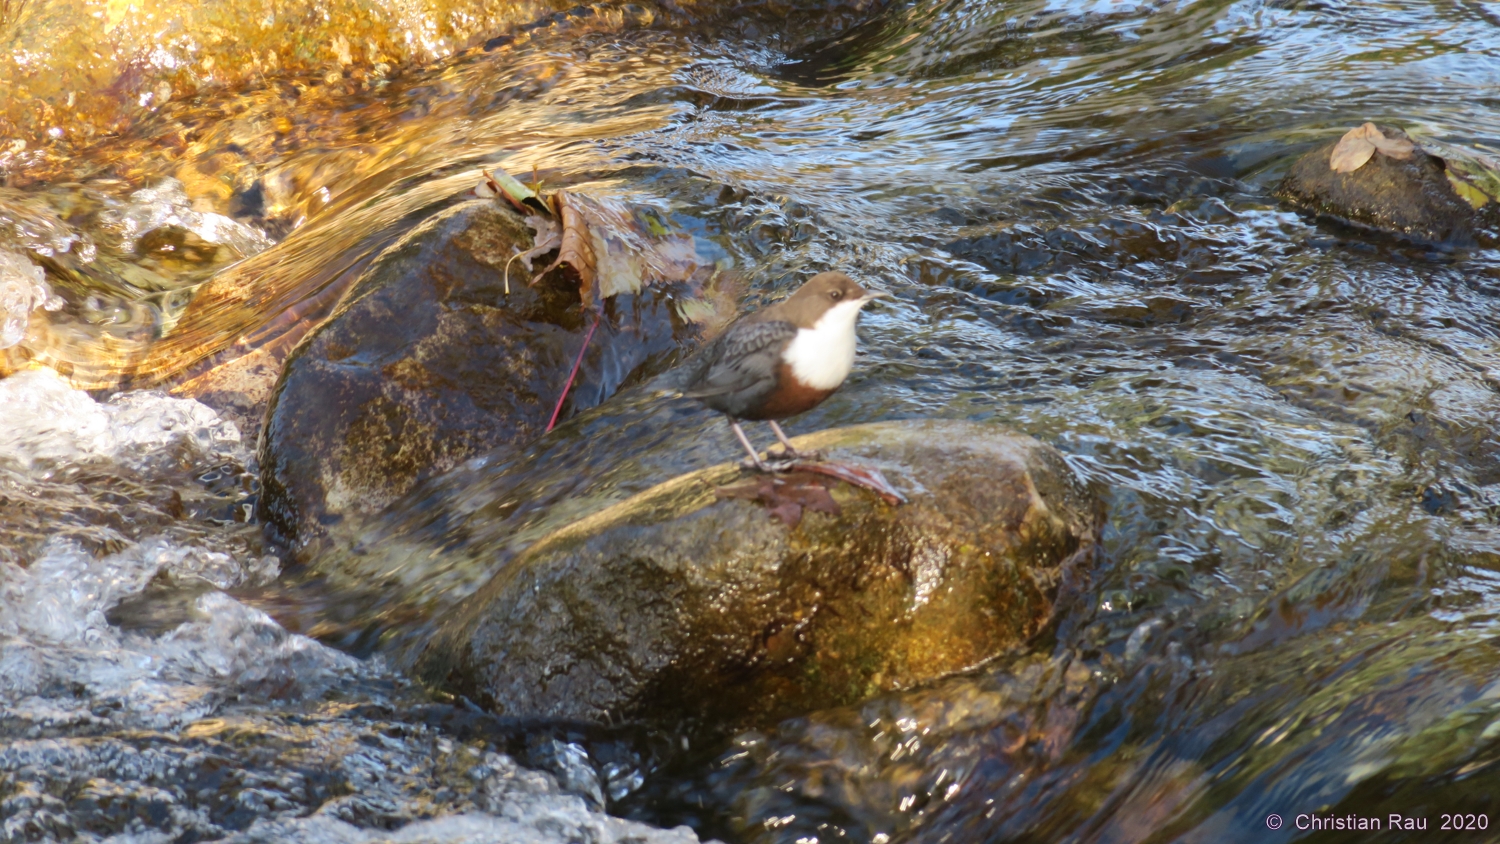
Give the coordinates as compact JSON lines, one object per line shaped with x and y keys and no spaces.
{"x":1188,"y":380}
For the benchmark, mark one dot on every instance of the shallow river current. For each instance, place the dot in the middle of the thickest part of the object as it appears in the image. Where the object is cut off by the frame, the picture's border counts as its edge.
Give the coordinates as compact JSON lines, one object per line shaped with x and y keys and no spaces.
{"x":1293,"y":423}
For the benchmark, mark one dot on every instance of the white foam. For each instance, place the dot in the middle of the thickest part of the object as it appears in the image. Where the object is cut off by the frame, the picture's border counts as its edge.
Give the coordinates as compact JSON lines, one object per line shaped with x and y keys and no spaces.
{"x":535,"y":821}
{"x":23,"y":289}
{"x":54,"y":636}
{"x":64,"y":668}
{"x":45,"y":421}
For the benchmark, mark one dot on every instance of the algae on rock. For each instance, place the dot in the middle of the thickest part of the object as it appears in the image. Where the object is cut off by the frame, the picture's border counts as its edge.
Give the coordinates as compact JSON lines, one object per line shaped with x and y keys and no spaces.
{"x":676,"y":606}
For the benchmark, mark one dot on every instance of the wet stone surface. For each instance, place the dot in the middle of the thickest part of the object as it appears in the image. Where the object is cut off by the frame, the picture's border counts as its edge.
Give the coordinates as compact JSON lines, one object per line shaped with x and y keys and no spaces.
{"x":1075,"y":206}
{"x":650,"y":609}
{"x":312,"y":773}
{"x":1409,"y":197}
{"x":430,"y":362}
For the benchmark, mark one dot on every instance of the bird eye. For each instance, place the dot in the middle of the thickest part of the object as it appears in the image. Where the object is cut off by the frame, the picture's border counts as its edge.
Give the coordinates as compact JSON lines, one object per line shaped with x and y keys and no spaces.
{"x":835,"y":295}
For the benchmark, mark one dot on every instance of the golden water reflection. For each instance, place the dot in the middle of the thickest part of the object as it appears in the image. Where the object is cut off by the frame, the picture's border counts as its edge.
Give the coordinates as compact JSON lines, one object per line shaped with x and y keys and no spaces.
{"x":331,"y":168}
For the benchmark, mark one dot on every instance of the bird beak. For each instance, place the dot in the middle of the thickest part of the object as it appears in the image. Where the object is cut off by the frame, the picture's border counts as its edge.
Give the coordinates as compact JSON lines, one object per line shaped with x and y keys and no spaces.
{"x":874,"y":294}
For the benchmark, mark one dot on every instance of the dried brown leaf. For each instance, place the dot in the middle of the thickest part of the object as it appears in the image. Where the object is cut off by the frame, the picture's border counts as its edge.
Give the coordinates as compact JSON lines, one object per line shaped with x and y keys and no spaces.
{"x":1400,"y":149}
{"x":613,"y":252}
{"x":575,"y":249}
{"x":1354,"y":149}
{"x":1357,"y":146}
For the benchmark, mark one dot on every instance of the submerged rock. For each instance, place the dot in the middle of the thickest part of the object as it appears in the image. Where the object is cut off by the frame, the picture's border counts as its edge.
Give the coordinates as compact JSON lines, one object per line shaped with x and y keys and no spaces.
{"x":429,"y":362}
{"x":682,"y":605}
{"x":1411,"y":196}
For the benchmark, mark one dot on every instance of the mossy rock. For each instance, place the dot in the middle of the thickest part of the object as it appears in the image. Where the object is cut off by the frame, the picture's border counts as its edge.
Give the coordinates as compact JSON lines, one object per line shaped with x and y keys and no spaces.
{"x":1412,"y":198}
{"x":678,"y":606}
{"x":429,"y":361}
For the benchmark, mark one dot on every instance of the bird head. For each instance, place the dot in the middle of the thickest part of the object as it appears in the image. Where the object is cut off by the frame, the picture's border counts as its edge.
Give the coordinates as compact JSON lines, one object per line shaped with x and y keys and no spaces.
{"x":824,"y":294}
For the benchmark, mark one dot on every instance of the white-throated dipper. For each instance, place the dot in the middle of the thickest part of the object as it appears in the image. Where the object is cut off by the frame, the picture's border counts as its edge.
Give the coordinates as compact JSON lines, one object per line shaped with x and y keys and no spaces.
{"x":782,"y":360}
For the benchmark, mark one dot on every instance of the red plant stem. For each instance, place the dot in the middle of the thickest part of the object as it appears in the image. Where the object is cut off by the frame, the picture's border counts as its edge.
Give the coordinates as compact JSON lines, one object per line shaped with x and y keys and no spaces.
{"x":593,"y":324}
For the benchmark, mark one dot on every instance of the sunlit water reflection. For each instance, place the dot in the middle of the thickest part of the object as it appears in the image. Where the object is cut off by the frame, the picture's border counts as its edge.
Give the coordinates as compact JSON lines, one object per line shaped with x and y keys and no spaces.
{"x":1071,"y":202}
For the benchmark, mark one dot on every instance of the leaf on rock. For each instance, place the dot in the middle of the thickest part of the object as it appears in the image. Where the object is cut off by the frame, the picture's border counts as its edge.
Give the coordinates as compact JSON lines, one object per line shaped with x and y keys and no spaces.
{"x":1470,"y":194}
{"x":1473,"y":173}
{"x":786,"y":496}
{"x":696,"y":310}
{"x":613,"y":247}
{"x":1400,"y":149}
{"x":616,"y":251}
{"x":501,"y":183}
{"x":1353,"y":150}
{"x":1357,"y":146}
{"x":576,"y":249}
{"x":547,"y":237}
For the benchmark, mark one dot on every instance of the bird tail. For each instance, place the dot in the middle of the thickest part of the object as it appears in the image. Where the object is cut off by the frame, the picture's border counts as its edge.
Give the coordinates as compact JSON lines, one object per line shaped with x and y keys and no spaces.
{"x":706,"y":392}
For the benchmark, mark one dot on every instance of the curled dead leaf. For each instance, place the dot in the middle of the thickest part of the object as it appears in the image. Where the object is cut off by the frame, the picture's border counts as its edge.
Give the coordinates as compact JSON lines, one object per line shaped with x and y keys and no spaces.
{"x":576,"y":250}
{"x":1358,"y":145}
{"x":547,"y":237}
{"x":1400,"y":149}
{"x":502,"y":184}
{"x":613,"y":247}
{"x":613,"y":250}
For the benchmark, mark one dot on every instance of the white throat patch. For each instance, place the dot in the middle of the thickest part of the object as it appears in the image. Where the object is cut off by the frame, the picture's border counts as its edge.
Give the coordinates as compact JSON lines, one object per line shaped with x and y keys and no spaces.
{"x":822,"y":356}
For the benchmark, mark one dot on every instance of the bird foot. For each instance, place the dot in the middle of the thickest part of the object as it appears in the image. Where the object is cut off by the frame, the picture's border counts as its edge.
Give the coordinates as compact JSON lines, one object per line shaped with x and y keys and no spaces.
{"x":774,"y":462}
{"x":791,"y":456}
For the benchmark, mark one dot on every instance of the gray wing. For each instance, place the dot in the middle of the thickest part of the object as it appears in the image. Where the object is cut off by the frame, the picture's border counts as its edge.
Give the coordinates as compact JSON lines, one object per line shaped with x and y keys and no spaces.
{"x":743,"y":358}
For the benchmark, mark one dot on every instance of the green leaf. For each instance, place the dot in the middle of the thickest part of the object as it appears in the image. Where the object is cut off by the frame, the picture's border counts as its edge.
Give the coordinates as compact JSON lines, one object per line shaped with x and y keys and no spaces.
{"x":1473,"y":173}
{"x":1472,"y":195}
{"x":523,"y":198}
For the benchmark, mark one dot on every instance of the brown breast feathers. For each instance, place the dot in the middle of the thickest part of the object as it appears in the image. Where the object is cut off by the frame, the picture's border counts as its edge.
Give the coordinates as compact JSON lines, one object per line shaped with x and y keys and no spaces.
{"x":790,"y":397}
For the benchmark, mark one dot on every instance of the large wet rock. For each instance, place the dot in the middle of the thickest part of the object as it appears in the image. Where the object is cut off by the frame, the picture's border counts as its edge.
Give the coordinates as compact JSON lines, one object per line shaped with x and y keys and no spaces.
{"x":429,"y":362}
{"x":1411,"y":197}
{"x":679,"y":605}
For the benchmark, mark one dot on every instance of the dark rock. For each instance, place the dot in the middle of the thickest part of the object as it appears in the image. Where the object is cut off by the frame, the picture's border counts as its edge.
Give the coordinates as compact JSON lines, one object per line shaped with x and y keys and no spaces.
{"x":428,"y":362}
{"x":681,"y":606}
{"x":1412,"y":198}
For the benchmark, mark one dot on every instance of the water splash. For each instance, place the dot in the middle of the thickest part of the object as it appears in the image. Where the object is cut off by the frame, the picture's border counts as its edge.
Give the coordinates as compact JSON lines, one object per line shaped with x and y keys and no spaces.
{"x":45,"y":422}
{"x":211,"y":720}
{"x":23,"y":289}
{"x":167,"y":205}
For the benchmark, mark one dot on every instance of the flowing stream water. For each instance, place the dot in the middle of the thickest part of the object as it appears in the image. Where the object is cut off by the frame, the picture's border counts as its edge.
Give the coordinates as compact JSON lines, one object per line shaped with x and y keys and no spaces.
{"x":1296,"y":610}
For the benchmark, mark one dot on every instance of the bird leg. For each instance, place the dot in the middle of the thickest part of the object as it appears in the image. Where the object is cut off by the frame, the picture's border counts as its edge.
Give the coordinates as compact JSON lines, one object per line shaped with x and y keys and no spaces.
{"x":789,"y":453}
{"x":745,"y":441}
